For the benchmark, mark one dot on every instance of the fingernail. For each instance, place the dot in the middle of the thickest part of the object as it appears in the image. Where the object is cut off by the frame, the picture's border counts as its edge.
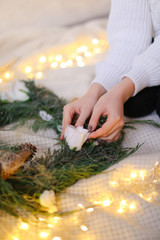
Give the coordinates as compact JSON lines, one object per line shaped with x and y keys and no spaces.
{"x":90,"y":128}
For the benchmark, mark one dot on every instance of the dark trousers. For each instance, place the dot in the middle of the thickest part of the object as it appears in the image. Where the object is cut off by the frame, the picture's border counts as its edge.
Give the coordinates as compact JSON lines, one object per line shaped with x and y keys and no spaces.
{"x":144,"y":103}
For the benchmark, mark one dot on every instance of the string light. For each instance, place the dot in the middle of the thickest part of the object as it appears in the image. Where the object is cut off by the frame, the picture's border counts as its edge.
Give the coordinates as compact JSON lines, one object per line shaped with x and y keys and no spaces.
{"x":84,"y":228}
{"x":87,"y":54}
{"x":132,"y":206}
{"x":107,"y":202}
{"x":97,"y":50}
{"x":44,"y":234}
{"x":80,"y":64}
{"x":50,"y":226}
{"x":7,"y":75}
{"x":56,"y":238}
{"x":69,"y":63}
{"x":15,"y":238}
{"x":54,"y":64}
{"x":133,"y":175}
{"x":120,"y":210}
{"x":80,"y":205}
{"x":24,"y":226}
{"x":58,"y":58}
{"x":28,"y":69}
{"x":63,"y":65}
{"x":1,"y":80}
{"x":114,"y":184}
{"x":42,"y":59}
{"x":39,"y":75}
{"x":90,"y":210}
{"x":95,"y":41}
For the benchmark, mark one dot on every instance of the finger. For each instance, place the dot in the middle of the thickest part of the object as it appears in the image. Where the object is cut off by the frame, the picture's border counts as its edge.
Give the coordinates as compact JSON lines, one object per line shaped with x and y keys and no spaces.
{"x":112,"y":137}
{"x":68,"y":113}
{"x":94,"y":118}
{"x":106,"y":127}
{"x":117,"y":126}
{"x":82,"y":118}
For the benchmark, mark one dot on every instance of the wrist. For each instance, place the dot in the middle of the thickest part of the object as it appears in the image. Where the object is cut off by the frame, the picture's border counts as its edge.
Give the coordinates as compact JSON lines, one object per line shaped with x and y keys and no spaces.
{"x":96,"y":90}
{"x":125,"y":89}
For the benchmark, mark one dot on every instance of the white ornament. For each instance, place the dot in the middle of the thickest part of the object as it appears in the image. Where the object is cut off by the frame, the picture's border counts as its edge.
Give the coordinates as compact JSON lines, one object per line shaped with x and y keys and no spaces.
{"x":76,"y":136}
{"x":17,"y":92}
{"x":45,"y":116}
{"x":48,"y":200}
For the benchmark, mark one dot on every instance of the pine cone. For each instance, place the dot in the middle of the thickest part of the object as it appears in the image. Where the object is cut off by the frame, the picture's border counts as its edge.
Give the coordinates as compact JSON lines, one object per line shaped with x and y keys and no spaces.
{"x":10,"y":162}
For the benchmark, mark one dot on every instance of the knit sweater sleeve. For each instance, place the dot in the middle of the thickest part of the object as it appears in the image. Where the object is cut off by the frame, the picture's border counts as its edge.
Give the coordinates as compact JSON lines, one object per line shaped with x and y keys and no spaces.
{"x":129,"y":34}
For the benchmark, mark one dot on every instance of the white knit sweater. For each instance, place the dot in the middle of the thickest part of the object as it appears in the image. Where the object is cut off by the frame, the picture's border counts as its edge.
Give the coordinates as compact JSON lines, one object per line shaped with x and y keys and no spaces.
{"x":131,"y":26}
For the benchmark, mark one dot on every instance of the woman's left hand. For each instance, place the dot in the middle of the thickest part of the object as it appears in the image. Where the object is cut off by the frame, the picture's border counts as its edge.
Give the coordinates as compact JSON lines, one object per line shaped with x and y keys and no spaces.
{"x":111,"y":105}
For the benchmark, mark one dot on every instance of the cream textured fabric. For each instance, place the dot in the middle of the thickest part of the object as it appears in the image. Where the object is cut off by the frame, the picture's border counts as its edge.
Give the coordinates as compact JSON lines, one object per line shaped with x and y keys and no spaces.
{"x":103,"y":222}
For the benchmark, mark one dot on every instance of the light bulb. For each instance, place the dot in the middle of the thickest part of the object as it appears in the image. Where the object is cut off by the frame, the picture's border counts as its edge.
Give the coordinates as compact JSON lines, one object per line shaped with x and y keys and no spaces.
{"x":28,"y":69}
{"x":42,"y":59}
{"x":7,"y":75}
{"x":95,"y":41}
{"x":24,"y":226}
{"x":58,"y":58}
{"x":39,"y":75}
{"x":54,"y":64}
{"x":84,"y":228}
{"x":44,"y":234}
{"x":107,"y":202}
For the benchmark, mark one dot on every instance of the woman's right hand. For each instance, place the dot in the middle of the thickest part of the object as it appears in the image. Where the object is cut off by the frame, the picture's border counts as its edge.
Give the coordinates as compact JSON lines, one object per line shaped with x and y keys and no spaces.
{"x":83,"y":107}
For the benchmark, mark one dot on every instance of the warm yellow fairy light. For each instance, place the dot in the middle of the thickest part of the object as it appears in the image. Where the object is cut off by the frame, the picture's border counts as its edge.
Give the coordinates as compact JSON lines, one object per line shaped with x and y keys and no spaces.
{"x":132,"y":206}
{"x":42,"y":59}
{"x":58,"y":58}
{"x":95,"y":202}
{"x":156,"y":164}
{"x":82,"y":49}
{"x":24,"y":226}
{"x":79,"y":58}
{"x":142,"y":174}
{"x":133,"y":175}
{"x":0,"y":80}
{"x":120,"y":210}
{"x":149,"y":199}
{"x":54,"y":64}
{"x":80,"y":205}
{"x":39,"y":75}
{"x":87,"y":54}
{"x":84,"y":228}
{"x":28,"y":69}
{"x":44,"y":234}
{"x":97,"y":50}
{"x":7,"y":75}
{"x":41,"y":219}
{"x":114,"y":183}
{"x":80,"y":64}
{"x":155,"y":181}
{"x":63,"y":65}
{"x":50,"y":225}
{"x":123,"y":203}
{"x":69,"y":63}
{"x":95,"y":41}
{"x":141,"y":195}
{"x":15,"y":238}
{"x":56,"y":238}
{"x":106,"y":202}
{"x":90,"y":210}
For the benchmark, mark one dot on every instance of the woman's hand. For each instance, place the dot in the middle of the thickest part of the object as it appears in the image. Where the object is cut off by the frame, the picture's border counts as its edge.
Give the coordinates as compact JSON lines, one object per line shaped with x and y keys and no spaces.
{"x":83,"y":107}
{"x":111,"y":105}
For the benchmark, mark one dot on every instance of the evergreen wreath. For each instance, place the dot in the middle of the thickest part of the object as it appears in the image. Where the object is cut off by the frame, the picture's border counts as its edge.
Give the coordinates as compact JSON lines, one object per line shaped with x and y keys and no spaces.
{"x":56,"y":170}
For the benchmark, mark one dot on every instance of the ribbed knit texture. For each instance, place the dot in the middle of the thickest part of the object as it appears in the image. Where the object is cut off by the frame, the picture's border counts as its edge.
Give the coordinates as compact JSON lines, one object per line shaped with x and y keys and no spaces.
{"x":131,"y":53}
